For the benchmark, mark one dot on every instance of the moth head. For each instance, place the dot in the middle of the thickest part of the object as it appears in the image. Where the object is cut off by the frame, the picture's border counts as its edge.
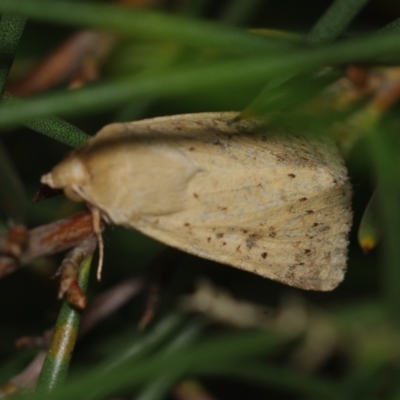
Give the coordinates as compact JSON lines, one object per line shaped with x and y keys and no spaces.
{"x":69,"y":175}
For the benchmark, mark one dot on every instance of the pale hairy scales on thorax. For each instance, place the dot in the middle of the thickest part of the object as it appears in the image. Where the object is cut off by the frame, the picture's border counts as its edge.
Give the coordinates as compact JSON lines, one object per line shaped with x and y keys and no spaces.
{"x":274,"y":204}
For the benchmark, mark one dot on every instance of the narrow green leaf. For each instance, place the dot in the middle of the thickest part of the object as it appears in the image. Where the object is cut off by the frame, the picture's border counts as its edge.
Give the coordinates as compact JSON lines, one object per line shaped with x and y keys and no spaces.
{"x":145,"y":24}
{"x":221,"y":75}
{"x":11,"y":28}
{"x":53,"y":127}
{"x":335,"y":20}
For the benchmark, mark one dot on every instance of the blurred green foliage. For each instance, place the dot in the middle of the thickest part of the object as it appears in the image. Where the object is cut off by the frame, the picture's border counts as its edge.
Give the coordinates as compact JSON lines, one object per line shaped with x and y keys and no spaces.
{"x":190,"y":56}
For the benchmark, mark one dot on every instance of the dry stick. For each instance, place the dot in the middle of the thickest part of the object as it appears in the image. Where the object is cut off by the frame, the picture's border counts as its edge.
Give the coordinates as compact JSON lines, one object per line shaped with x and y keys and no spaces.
{"x":79,"y":56}
{"x":13,"y":243}
{"x":50,"y":239}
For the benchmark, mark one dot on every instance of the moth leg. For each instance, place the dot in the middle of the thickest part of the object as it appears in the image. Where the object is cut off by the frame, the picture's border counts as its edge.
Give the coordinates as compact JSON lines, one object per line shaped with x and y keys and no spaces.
{"x":97,"y":231}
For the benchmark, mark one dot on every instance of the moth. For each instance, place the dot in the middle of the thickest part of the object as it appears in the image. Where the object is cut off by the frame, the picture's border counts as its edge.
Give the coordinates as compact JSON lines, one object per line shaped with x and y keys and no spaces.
{"x":228,"y":190}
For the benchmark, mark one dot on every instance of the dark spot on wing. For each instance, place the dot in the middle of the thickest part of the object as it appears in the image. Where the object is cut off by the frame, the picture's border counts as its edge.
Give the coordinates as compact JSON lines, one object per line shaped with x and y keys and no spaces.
{"x":251,"y":240}
{"x":196,"y":195}
{"x":272,"y":232}
{"x":289,"y":276}
{"x":310,"y":212}
{"x":303,"y":199}
{"x":249,"y":243}
{"x":278,"y":157}
{"x":219,"y":235}
{"x":292,"y":175}
{"x":264,"y":255}
{"x":325,"y":228}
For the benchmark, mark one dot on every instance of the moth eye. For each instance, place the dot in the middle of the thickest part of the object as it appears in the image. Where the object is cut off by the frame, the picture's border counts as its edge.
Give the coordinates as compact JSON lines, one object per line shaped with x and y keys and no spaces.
{"x":72,"y":195}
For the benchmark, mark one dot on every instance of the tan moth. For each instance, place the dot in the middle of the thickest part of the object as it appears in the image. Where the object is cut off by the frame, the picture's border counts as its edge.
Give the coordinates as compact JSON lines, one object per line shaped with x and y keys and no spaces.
{"x":277,"y":205}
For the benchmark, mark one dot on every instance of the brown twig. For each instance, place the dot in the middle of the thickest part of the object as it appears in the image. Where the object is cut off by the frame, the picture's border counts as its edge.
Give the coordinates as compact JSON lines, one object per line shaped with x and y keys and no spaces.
{"x":70,"y":266}
{"x":50,"y":239}
{"x":14,"y":242}
{"x":77,"y":59}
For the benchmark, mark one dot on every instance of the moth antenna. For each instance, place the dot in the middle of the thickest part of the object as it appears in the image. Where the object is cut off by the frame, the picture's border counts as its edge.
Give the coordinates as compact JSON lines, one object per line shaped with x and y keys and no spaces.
{"x":97,"y":231}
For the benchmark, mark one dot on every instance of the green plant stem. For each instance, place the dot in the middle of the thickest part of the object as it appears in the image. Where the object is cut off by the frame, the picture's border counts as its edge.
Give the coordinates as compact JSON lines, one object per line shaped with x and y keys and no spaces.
{"x":11,"y":29}
{"x":141,"y":347}
{"x":53,"y":127}
{"x":185,"y":81}
{"x":56,"y":364}
{"x":335,"y":20}
{"x":145,"y":24}
{"x":329,"y":27}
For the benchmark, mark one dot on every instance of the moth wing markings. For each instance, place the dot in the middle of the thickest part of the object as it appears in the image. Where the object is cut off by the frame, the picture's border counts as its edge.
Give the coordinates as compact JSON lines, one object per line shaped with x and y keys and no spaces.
{"x":305,"y":261}
{"x":304,"y":255}
{"x":302,"y":262}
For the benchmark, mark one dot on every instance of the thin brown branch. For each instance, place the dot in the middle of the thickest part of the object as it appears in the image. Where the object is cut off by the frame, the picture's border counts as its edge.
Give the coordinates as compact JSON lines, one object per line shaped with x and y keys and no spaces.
{"x":50,"y":239}
{"x":14,"y":242}
{"x":70,"y":266}
{"x":79,"y":56}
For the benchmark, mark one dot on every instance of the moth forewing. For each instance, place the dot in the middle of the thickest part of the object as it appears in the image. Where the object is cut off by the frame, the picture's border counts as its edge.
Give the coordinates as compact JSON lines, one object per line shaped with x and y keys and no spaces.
{"x":275,"y":205}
